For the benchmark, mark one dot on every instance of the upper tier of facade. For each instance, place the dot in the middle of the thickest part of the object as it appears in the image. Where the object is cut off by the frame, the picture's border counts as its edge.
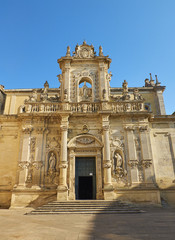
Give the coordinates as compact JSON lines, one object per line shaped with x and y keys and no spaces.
{"x":85,"y":87}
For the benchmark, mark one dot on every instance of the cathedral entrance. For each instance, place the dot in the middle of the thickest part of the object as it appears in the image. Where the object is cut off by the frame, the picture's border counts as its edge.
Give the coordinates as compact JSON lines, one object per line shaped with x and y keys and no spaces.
{"x":85,"y":178}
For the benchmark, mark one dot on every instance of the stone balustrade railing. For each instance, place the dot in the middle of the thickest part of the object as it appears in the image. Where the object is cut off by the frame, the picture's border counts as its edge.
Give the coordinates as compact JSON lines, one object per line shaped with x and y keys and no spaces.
{"x":128,"y":107}
{"x":114,"y":107}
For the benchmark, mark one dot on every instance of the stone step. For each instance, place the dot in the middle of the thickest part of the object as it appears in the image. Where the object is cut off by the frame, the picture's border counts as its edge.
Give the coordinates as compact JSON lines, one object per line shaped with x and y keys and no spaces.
{"x":86,"y":207}
{"x":90,"y":212}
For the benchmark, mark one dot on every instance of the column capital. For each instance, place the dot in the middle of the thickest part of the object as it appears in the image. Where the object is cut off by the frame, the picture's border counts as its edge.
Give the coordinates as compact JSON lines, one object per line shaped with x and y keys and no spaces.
{"x":105,"y":127}
{"x":105,"y":118}
{"x":63,"y":164}
{"x":64,"y":127}
{"x":143,"y":128}
{"x":107,"y":163}
{"x":37,"y":164}
{"x":40,"y":130}
{"x":27,"y":129}
{"x":24,"y":165}
{"x":129,"y":128}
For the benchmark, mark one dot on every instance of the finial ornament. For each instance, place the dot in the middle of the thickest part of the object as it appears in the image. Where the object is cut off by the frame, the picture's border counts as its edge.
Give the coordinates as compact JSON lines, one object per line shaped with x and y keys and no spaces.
{"x":101,"y":51}
{"x":46,"y":85}
{"x":68,"y":52}
{"x":151,"y":80}
{"x":157,"y":82}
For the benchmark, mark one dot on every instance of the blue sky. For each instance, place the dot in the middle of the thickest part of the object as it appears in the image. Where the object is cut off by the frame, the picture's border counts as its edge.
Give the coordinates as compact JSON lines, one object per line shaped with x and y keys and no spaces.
{"x":138,"y":35}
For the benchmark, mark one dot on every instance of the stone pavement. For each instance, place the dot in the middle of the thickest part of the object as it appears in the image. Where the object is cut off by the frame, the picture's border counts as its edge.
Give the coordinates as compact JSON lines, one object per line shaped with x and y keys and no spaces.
{"x":156,"y":223}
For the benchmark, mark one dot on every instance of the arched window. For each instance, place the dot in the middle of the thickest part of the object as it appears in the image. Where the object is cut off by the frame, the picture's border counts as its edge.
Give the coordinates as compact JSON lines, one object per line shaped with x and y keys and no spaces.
{"x":85,"y":89}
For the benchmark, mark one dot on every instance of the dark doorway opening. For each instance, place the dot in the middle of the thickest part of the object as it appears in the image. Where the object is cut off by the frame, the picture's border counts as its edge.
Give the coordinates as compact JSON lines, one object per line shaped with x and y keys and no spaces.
{"x":85,"y":178}
{"x":85,"y":187}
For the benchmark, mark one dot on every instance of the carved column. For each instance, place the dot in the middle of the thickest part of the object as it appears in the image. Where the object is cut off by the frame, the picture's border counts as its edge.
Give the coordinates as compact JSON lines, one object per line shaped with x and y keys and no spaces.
{"x":106,"y":160}
{"x":132,"y":155}
{"x":25,"y":161}
{"x":62,"y":188}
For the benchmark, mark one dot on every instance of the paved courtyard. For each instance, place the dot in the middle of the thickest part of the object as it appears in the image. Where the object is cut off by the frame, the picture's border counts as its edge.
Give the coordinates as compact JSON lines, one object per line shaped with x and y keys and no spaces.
{"x":156,"y":223}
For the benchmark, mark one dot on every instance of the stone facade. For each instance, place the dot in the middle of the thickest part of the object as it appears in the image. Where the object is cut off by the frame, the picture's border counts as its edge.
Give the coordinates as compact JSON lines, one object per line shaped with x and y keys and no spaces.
{"x":125,"y":130}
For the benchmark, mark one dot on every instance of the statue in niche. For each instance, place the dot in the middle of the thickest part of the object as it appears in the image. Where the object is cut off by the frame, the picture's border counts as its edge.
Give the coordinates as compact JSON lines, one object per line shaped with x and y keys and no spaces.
{"x":85,"y":92}
{"x":85,"y":96}
{"x":118,"y":160}
{"x":119,"y":171}
{"x":52,"y":162}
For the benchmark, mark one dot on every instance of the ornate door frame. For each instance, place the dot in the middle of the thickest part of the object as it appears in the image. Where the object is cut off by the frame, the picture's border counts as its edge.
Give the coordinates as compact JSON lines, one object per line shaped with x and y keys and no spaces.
{"x":85,"y":145}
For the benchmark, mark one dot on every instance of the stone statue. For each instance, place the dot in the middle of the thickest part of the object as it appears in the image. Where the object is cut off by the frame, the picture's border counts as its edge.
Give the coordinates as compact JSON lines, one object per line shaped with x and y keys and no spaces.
{"x":33,"y":97}
{"x":126,"y":95}
{"x":85,"y":90}
{"x":108,"y":76}
{"x":125,"y":86}
{"x":119,"y":160}
{"x":44,"y":95}
{"x":52,"y":162}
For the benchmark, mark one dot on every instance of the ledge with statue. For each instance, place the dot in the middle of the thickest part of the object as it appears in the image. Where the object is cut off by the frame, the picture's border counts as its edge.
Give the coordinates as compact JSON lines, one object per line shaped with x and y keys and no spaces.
{"x":126,"y":102}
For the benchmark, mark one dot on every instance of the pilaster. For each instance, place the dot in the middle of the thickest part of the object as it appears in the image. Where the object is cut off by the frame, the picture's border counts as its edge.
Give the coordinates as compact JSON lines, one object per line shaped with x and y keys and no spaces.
{"x":132,"y":155}
{"x":107,"y":164}
{"x":62,"y":191}
{"x":146,"y":154}
{"x":25,"y":164}
{"x":160,"y":101}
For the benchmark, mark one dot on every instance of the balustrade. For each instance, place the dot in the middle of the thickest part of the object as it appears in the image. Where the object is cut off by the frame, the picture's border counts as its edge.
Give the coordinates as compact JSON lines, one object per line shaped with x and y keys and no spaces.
{"x":115,"y":107}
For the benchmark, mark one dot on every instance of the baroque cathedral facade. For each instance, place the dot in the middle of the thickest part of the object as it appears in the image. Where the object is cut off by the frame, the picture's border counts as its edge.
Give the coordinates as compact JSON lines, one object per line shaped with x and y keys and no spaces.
{"x":85,"y":139}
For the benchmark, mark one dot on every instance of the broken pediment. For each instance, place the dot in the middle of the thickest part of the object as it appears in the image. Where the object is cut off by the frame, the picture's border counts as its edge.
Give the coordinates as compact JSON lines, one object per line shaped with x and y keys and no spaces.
{"x":84,"y":51}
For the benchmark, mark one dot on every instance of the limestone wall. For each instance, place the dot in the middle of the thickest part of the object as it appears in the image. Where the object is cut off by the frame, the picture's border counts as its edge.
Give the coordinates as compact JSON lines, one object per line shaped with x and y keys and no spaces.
{"x":9,"y":153}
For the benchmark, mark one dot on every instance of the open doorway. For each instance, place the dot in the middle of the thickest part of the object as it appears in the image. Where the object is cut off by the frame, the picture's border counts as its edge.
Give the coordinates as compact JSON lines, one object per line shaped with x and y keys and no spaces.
{"x":85,"y":178}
